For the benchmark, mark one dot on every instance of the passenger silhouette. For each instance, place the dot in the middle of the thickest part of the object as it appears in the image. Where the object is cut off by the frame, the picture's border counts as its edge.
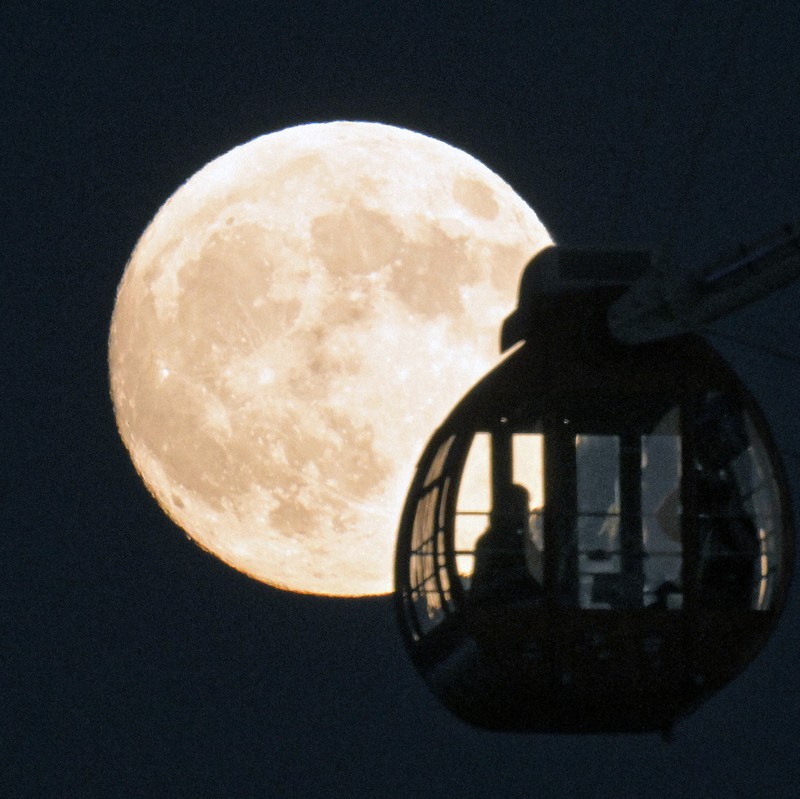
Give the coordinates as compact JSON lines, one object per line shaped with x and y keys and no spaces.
{"x":728,"y":544}
{"x":501,"y":572}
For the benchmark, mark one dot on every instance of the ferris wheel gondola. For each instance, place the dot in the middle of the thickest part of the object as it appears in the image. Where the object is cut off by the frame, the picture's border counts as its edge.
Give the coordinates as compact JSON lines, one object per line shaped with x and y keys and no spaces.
{"x":599,"y":536}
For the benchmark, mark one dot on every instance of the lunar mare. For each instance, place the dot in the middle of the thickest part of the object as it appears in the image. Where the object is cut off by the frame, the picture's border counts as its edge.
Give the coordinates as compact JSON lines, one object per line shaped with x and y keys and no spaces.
{"x":291,"y":327}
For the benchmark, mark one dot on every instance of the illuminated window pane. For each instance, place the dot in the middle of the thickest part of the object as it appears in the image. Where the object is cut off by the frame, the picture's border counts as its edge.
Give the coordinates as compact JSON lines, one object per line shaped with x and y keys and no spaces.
{"x":424,"y":518}
{"x":468,"y":528}
{"x":475,"y":491}
{"x":661,"y":520}
{"x":474,"y":503}
{"x":437,"y":465}
{"x":597,"y":461}
{"x":528,"y":468}
{"x":760,"y":500}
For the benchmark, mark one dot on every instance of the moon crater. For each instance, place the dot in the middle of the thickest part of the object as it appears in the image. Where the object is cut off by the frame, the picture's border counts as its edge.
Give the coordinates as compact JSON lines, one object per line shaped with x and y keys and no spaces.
{"x":290,"y":328}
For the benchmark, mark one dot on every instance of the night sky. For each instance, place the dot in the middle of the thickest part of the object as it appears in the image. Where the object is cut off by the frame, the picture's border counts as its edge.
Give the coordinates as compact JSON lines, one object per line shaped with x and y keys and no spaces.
{"x":134,"y":664}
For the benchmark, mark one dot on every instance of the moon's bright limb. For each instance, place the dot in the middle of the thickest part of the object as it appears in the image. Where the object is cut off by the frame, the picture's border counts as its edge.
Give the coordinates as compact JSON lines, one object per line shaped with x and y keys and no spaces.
{"x":291,"y":327}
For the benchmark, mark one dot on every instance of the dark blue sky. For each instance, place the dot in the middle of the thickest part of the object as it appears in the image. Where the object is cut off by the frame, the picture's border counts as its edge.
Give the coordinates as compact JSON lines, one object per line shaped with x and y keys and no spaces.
{"x":132,"y":663}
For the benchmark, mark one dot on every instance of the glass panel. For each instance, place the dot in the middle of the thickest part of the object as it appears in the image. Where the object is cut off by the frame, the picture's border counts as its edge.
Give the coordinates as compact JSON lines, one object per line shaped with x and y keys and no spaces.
{"x":597,"y":461}
{"x":474,"y":493}
{"x":473,"y":504}
{"x":738,"y":503}
{"x":444,"y":580}
{"x":435,"y":470}
{"x":661,"y":520}
{"x":430,"y":598}
{"x":761,"y":502}
{"x":424,"y":519}
{"x":427,"y":607}
{"x":527,"y":451}
{"x":468,"y":530}
{"x":598,"y":499}
{"x":528,"y":470}
{"x":443,"y":502}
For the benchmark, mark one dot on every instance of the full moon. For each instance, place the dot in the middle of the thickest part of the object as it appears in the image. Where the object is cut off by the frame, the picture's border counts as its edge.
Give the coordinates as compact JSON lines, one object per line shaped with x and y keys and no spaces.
{"x":293,"y":324}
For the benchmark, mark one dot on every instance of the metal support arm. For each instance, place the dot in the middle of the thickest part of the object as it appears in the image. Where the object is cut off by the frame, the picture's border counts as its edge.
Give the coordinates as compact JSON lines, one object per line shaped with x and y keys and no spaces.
{"x":664,"y":303}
